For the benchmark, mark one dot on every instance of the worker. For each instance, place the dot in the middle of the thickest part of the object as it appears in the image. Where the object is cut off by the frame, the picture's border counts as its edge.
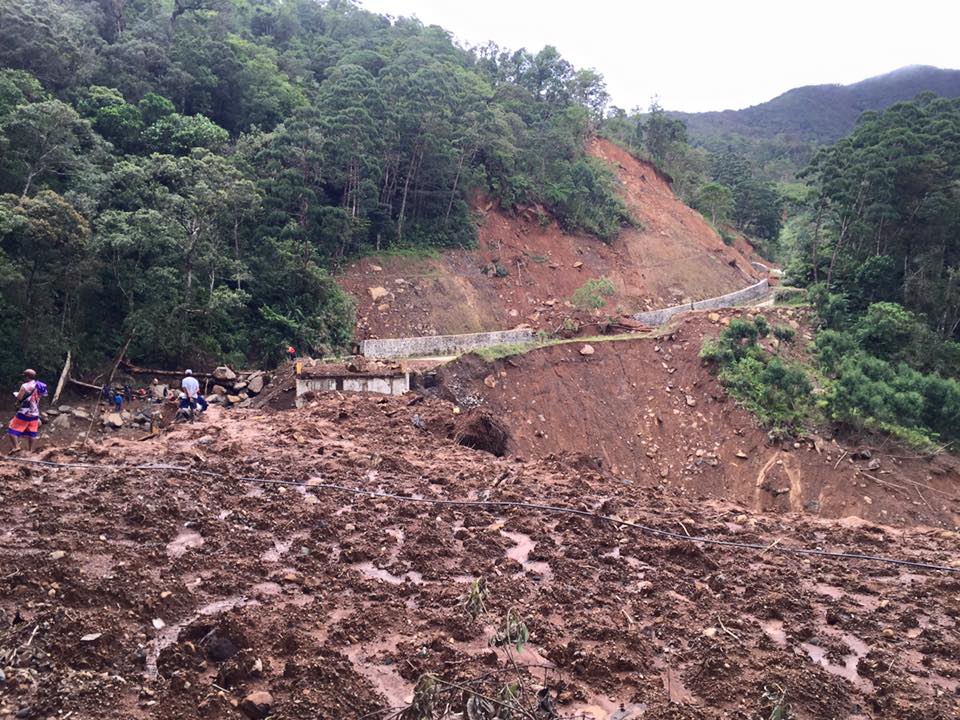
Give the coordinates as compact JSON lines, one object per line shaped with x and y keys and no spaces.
{"x":117,"y":399}
{"x":191,"y":392}
{"x":291,"y":353}
{"x":157,"y":391}
{"x":27,"y":420}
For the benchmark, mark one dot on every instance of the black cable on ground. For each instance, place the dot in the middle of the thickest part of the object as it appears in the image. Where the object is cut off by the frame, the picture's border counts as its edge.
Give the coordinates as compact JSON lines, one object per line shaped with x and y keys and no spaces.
{"x":516,"y":504}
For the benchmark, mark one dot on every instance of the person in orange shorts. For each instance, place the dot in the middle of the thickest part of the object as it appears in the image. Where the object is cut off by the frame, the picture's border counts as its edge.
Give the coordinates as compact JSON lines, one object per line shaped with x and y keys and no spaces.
{"x":27,"y":420}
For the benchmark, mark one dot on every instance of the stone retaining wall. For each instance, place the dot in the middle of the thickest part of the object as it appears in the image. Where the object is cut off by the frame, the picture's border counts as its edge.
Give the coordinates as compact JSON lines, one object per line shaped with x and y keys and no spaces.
{"x":738,"y":297}
{"x":441,"y":345}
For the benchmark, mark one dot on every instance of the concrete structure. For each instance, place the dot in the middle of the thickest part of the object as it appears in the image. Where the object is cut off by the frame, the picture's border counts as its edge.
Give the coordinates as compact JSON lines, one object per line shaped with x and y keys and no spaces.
{"x":372,"y":378}
{"x":441,"y":345}
{"x":738,"y":297}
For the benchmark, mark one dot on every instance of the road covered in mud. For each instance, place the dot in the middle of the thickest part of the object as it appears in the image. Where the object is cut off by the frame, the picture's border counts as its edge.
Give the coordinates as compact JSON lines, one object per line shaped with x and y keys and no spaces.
{"x":149,"y":592}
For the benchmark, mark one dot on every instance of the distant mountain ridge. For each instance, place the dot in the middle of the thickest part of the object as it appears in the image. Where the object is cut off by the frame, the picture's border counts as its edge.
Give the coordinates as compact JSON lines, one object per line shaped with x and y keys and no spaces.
{"x":820,"y":113}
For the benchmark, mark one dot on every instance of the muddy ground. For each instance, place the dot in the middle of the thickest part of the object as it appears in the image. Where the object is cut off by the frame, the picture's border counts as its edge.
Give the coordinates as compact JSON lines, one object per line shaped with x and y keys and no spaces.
{"x":652,"y":414}
{"x":135,"y":593}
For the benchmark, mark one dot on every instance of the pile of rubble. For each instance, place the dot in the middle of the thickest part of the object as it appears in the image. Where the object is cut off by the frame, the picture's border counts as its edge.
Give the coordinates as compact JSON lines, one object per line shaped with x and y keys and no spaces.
{"x":231,"y":388}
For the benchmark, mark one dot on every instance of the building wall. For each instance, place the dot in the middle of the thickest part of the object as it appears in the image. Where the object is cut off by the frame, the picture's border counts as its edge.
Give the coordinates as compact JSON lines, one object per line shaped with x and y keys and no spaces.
{"x":441,"y":345}
{"x":659,"y":317}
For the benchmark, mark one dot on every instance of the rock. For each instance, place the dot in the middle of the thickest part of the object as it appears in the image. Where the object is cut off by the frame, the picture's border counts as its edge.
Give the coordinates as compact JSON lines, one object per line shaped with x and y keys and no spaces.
{"x":90,"y":637}
{"x":234,"y":399}
{"x":490,"y":382}
{"x":61,"y":422}
{"x":710,"y":632}
{"x":221,"y":648}
{"x":724,"y":321}
{"x":868,"y":500}
{"x":378,"y":293}
{"x":578,"y":264}
{"x":714,"y":317}
{"x":742,"y":455}
{"x":376,"y":268}
{"x":257,"y":705}
{"x":57,"y":555}
{"x":224,"y":373}
{"x":219,"y":390}
{"x":80,"y":413}
{"x":587,"y":350}
{"x":159,"y":624}
{"x":114,"y":420}
{"x":873,"y":464}
{"x":239,"y":387}
{"x":691,"y":402}
{"x":256,"y":384}
{"x":65,"y":409}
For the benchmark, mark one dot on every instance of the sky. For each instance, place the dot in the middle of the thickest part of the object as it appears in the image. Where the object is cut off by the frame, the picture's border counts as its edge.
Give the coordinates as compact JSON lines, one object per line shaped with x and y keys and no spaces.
{"x":702,"y":55}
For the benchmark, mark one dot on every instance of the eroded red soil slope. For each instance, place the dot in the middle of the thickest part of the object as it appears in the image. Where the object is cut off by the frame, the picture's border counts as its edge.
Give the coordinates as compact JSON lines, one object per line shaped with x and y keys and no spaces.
{"x":674,"y":255}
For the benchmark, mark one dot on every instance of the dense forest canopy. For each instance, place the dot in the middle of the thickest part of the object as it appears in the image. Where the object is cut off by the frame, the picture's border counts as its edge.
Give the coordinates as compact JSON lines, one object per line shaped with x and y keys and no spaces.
{"x":186,"y":173}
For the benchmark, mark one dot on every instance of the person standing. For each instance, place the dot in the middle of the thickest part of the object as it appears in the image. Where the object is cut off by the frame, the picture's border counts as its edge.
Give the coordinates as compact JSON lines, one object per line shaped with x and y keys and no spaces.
{"x":191,"y":391}
{"x":27,"y":420}
{"x":291,"y":353}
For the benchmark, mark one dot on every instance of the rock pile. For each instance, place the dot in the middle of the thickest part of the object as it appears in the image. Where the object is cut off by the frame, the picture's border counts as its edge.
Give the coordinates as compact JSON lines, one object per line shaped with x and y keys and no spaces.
{"x":232,"y":388}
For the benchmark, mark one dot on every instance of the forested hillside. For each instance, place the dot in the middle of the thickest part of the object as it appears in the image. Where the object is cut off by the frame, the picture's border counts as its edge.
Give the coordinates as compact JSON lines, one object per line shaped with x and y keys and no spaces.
{"x":186,"y":173}
{"x":781,"y":135}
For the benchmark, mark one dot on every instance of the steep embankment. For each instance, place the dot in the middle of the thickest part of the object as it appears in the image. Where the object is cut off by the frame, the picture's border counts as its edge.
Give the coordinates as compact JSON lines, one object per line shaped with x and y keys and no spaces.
{"x":672,"y":255}
{"x":649,"y":412}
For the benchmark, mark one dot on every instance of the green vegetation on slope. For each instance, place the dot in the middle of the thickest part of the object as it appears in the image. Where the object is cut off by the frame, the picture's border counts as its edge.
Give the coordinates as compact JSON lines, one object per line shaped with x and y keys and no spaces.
{"x":187,"y":174}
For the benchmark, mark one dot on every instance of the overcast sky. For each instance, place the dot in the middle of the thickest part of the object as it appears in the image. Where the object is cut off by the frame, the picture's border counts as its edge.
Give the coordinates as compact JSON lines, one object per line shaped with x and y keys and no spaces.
{"x":708,"y":55}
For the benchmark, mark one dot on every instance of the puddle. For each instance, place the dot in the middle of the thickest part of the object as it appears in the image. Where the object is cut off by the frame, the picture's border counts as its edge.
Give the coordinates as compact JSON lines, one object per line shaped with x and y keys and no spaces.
{"x":604,"y":709}
{"x":372,"y":571}
{"x":187,"y":539}
{"x":774,"y":630}
{"x":169,"y":634}
{"x":520,"y":553}
{"x":384,"y":678}
{"x":279,"y":549}
{"x":848,"y":671}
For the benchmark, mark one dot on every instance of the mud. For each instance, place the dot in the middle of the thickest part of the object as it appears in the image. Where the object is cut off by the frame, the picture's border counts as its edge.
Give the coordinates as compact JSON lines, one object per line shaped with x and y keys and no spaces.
{"x":649,"y":413}
{"x":337,"y":604}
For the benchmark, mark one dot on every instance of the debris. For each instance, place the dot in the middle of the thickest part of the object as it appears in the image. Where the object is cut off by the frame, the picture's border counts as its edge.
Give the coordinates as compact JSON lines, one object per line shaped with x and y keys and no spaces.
{"x":159,"y":624}
{"x":378,"y":293}
{"x":114,"y":420}
{"x":257,"y":704}
{"x":490,"y":381}
{"x":57,"y":555}
{"x":587,"y":350}
{"x":742,"y":455}
{"x":691,"y":402}
{"x":224,"y":373}
{"x":90,"y":637}
{"x":714,"y":317}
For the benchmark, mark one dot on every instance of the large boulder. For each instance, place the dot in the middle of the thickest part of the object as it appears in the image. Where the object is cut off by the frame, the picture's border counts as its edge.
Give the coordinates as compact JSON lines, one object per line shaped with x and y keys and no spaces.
{"x":113,"y":420}
{"x":224,"y":373}
{"x":61,"y":422}
{"x":378,"y":293}
{"x":256,"y":384}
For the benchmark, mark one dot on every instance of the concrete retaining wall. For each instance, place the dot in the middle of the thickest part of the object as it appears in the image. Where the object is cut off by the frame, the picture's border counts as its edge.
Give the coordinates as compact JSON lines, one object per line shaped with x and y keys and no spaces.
{"x":441,"y":345}
{"x":738,"y":297}
{"x":396,"y":385}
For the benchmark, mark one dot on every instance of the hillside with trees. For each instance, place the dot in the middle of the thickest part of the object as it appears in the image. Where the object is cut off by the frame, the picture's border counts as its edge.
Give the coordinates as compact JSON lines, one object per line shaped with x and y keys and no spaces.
{"x":186,"y":174}
{"x":781,"y":135}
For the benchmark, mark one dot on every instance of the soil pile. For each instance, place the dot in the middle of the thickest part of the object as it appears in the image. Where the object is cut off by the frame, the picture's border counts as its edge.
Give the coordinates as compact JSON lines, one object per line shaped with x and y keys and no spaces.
{"x":651,"y":413}
{"x":525,"y":269}
{"x":149,"y":593}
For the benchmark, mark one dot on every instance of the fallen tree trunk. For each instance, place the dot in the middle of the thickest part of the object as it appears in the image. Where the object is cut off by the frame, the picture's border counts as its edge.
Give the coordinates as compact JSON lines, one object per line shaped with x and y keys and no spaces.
{"x":82,"y":384}
{"x":134,"y":370}
{"x":63,"y":378}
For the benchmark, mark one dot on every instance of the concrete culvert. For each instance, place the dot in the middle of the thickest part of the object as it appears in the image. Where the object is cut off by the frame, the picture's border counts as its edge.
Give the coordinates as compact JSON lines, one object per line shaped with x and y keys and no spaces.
{"x":481,"y":431}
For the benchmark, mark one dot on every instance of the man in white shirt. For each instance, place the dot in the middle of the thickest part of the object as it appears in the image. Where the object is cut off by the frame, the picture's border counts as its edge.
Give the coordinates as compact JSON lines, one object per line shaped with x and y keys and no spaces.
{"x":191,"y":391}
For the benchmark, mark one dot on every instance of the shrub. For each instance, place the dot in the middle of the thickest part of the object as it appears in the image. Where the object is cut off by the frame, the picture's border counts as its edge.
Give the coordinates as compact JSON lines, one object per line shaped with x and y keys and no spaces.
{"x":833,"y":309}
{"x":593,"y":294}
{"x":784,"y":333}
{"x":776,"y":392}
